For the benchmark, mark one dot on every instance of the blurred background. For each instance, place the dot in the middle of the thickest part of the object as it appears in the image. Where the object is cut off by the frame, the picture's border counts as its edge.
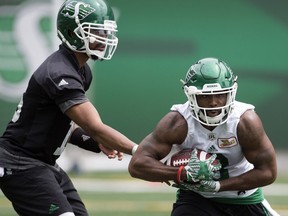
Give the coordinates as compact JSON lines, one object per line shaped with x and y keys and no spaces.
{"x":158,"y":41}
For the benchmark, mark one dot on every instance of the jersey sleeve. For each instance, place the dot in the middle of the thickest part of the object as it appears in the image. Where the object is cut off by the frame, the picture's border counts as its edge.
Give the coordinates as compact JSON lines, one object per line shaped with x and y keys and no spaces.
{"x":69,"y":103}
{"x":63,"y":88}
{"x":61,"y":80}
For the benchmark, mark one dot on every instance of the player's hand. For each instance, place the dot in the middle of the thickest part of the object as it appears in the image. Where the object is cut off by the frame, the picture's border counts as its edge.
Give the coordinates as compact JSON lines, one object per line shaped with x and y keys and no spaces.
{"x":182,"y":186}
{"x":208,"y":186}
{"x":111,"y":153}
{"x":202,"y":186}
{"x":197,"y":170}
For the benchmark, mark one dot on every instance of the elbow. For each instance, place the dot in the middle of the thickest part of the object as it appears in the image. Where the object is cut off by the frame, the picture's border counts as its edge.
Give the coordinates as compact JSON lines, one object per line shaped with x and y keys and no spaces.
{"x":270,"y":177}
{"x":131,"y":170}
{"x":273,"y":176}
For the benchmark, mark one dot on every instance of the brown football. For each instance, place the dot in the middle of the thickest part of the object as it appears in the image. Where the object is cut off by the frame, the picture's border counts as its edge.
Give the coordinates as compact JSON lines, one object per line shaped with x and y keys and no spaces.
{"x":182,"y":157}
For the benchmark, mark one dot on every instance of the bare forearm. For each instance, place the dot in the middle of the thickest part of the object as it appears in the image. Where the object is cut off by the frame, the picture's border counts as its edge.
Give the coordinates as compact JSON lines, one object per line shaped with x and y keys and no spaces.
{"x":113,"y":139}
{"x":153,"y":171}
{"x":250,"y":180}
{"x":87,"y":117}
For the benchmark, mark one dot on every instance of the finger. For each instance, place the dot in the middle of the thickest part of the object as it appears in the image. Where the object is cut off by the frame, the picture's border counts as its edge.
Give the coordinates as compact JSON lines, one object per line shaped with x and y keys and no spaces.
{"x":212,"y":158}
{"x":120,"y":155}
{"x":216,"y":166}
{"x":111,"y":156}
{"x":194,"y":152}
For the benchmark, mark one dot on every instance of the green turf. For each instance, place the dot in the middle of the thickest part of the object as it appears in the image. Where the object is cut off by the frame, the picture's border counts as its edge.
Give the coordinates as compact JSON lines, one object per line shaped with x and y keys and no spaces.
{"x":140,"y":204}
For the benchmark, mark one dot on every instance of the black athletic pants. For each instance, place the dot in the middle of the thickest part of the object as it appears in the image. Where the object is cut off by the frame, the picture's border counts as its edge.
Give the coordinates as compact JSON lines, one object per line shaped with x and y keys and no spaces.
{"x":193,"y":204}
{"x":41,"y":191}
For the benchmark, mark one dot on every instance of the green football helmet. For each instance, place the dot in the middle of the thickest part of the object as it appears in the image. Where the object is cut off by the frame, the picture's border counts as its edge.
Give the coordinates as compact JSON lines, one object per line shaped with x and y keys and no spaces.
{"x":81,"y":22}
{"x":210,"y":76}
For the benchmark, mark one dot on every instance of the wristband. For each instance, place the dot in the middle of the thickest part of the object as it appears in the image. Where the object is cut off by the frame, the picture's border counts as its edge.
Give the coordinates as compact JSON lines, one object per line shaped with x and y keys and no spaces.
{"x":80,"y":138}
{"x":134,"y":149}
{"x":179,"y":174}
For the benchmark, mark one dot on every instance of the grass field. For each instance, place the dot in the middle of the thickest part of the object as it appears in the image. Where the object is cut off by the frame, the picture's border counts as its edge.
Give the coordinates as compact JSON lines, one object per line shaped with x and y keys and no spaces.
{"x":102,"y":199}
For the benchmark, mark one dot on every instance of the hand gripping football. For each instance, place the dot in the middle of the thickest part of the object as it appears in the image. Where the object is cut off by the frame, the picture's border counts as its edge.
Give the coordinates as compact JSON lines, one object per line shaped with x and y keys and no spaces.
{"x":182,"y":157}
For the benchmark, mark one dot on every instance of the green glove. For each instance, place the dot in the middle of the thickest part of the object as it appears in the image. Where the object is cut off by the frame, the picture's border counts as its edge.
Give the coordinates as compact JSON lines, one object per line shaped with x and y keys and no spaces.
{"x":181,"y":186}
{"x":207,"y":186}
{"x":202,"y":186}
{"x":197,"y":170}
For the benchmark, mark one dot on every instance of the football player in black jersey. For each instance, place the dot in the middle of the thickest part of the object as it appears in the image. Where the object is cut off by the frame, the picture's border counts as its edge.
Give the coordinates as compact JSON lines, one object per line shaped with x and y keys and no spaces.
{"x":54,"y":110}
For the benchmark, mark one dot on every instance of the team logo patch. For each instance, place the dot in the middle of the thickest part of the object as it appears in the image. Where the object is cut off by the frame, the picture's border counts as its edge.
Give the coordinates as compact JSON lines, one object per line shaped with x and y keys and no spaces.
{"x":53,"y":208}
{"x":85,"y":137}
{"x":227,"y":142}
{"x":79,"y":9}
{"x":63,"y":82}
{"x":211,"y":136}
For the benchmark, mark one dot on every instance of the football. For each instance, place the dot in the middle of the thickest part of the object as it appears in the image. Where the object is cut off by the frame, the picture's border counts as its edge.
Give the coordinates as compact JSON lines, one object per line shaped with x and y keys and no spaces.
{"x":182,"y":157}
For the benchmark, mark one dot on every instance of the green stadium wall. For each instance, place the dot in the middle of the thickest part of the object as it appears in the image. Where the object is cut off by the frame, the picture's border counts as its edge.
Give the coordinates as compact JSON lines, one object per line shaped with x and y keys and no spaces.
{"x":158,"y":41}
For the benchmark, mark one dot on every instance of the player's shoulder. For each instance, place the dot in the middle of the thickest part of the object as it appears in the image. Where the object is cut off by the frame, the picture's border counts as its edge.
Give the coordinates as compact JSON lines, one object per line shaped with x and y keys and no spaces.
{"x":183,"y":109}
{"x":249,"y":122}
{"x":178,"y":107}
{"x":56,"y":67}
{"x":240,"y":108}
{"x":172,"y":119}
{"x":242,"y":105}
{"x":173,"y":127}
{"x":62,"y":63}
{"x":249,"y":117}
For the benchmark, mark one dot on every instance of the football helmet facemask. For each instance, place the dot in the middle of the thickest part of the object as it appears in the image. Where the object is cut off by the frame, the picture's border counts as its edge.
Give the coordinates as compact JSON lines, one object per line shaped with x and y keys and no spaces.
{"x":80,"y":23}
{"x":210,"y":76}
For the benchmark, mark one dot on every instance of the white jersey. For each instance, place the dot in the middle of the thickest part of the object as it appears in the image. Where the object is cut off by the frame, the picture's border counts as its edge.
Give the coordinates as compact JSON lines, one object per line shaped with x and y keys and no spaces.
{"x":223,"y":141}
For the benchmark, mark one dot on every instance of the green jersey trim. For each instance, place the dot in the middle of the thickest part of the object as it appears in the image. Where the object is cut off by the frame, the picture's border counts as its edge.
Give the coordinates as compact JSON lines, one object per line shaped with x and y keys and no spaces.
{"x":256,"y":197}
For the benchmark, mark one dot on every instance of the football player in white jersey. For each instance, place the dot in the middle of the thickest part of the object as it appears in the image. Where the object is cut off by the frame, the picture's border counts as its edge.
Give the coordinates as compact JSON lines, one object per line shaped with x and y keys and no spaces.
{"x":213,"y":121}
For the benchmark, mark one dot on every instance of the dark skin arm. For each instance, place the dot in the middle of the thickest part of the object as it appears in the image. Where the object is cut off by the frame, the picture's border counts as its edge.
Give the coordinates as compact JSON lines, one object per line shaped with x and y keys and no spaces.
{"x":258,"y":150}
{"x":145,"y":164}
{"x":86,"y":116}
{"x":172,"y":129}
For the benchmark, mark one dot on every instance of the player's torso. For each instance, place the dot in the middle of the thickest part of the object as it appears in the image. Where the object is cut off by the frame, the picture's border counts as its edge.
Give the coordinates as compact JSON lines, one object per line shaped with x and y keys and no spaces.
{"x":222,"y":140}
{"x":38,"y":128}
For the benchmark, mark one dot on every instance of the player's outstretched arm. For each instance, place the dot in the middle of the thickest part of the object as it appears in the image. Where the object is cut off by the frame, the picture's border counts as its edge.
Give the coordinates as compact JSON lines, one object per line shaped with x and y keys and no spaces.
{"x":86,"y":116}
{"x":80,"y":138}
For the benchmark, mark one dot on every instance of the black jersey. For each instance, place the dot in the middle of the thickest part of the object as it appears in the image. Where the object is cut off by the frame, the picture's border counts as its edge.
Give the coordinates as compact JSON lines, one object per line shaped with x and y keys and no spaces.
{"x":39,"y":126}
